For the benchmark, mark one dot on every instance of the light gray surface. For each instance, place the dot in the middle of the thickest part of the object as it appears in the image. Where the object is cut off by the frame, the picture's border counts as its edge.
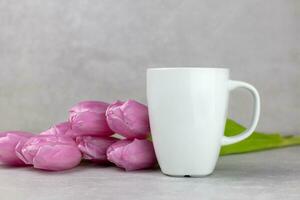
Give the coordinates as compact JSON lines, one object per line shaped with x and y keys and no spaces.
{"x":54,"y":53}
{"x":265,"y":175}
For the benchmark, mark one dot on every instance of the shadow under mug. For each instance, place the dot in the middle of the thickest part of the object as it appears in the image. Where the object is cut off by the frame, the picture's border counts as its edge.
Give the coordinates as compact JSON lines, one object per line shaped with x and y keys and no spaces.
{"x":187,"y":112}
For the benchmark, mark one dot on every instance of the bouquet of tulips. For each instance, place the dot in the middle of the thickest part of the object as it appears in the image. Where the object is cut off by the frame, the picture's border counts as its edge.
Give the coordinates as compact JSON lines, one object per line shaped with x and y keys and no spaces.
{"x":89,"y":134}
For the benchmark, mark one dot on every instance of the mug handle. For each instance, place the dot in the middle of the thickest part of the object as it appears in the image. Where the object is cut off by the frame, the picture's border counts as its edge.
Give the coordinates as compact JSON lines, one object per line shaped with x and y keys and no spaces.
{"x":256,"y":112}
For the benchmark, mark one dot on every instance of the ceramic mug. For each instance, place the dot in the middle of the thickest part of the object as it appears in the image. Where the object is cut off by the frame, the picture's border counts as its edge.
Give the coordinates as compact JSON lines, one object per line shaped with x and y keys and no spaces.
{"x":188,"y":111}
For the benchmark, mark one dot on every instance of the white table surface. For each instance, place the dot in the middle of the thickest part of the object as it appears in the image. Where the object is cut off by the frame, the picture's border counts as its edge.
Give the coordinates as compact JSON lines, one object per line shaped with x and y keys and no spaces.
{"x":270,"y":175}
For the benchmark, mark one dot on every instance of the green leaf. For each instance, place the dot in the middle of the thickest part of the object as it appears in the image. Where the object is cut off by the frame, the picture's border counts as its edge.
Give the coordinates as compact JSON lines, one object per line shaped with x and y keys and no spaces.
{"x":149,"y":137}
{"x":256,"y":142}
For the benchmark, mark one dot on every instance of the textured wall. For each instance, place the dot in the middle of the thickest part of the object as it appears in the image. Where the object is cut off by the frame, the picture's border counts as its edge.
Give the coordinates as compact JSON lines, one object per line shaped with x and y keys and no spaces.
{"x":54,"y":53}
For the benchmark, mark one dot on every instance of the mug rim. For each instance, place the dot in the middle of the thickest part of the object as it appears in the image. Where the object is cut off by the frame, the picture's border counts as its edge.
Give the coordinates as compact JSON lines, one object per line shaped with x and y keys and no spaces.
{"x":187,"y":68}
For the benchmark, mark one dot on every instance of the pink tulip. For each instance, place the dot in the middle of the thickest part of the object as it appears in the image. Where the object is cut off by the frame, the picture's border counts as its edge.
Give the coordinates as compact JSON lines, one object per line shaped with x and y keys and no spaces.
{"x":88,"y":118}
{"x":129,"y":119}
{"x":132,"y":154}
{"x":61,"y":129}
{"x":8,"y":143}
{"x":50,"y":152}
{"x":94,"y":148}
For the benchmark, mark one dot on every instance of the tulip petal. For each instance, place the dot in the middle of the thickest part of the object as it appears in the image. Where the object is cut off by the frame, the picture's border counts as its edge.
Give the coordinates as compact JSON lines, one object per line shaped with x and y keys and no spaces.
{"x":139,"y":154}
{"x":50,"y":152}
{"x":94,"y":148}
{"x":132,"y":154}
{"x":8,"y":143}
{"x":58,"y":157}
{"x":88,"y":118}
{"x":61,"y":129}
{"x":129,"y":119}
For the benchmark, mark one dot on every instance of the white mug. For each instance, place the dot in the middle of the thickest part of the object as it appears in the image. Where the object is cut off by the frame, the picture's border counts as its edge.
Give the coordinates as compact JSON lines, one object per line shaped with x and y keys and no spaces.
{"x":188,"y":111}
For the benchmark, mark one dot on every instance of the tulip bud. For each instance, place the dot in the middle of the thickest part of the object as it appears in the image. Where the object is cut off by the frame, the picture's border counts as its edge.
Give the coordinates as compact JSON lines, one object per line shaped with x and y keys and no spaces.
{"x":88,"y":118}
{"x":61,"y":129}
{"x":132,"y":154}
{"x":94,"y":148}
{"x":8,"y":142}
{"x":50,"y":152}
{"x":129,"y":119}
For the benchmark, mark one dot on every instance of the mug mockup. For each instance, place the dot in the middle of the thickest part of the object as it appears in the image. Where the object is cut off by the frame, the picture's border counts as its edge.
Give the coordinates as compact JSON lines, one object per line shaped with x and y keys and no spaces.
{"x":188,"y":111}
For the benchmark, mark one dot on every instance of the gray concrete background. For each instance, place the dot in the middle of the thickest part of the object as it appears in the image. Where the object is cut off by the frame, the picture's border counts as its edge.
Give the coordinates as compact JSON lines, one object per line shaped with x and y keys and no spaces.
{"x":55,"y":53}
